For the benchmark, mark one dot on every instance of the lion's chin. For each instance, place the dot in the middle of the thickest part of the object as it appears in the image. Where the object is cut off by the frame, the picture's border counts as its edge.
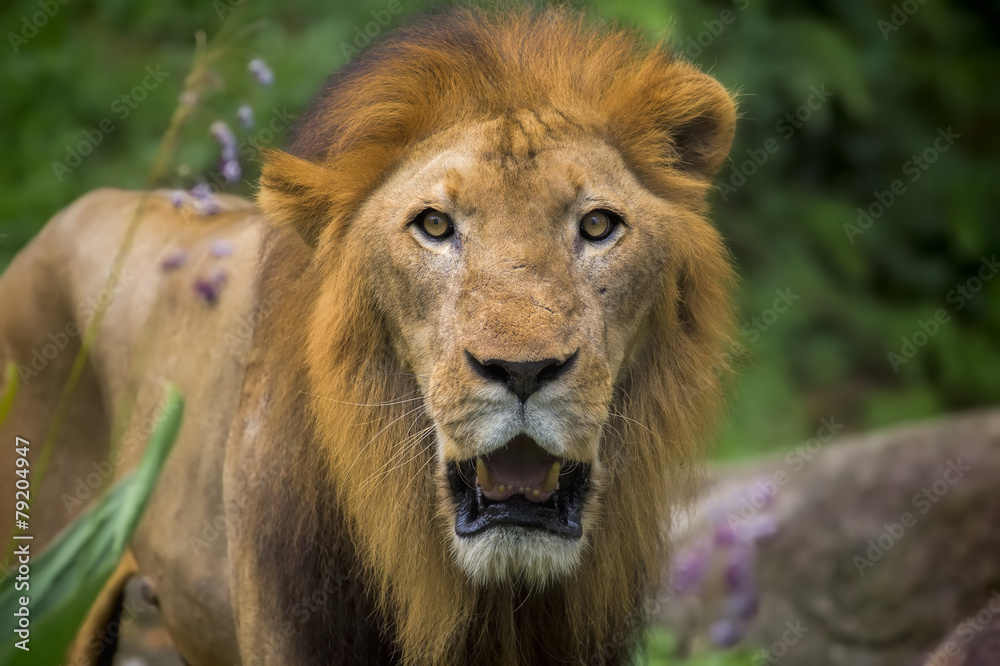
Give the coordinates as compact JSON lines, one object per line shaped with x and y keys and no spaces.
{"x":508,"y":554}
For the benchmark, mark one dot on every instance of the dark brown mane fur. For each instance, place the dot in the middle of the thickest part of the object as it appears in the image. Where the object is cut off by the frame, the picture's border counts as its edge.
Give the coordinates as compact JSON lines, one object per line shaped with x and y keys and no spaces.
{"x":351,"y":506}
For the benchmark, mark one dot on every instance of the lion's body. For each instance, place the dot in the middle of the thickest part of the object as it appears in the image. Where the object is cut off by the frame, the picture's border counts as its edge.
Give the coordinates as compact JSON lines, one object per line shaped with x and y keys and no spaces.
{"x":308,"y":513}
{"x":56,"y":281}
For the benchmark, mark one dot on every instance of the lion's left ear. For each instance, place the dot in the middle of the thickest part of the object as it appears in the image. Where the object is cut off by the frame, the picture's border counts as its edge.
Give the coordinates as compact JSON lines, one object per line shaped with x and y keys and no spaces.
{"x":705,"y":140}
{"x":699,"y":117}
{"x":297,"y":193}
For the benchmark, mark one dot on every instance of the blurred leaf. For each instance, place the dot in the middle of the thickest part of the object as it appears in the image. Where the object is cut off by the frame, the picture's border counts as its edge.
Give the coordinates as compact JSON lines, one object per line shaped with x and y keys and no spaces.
{"x":66,"y":579}
{"x":10,"y":380}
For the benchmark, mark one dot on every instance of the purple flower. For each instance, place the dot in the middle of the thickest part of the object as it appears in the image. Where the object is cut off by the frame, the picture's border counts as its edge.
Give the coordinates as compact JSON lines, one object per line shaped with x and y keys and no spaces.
{"x":725,"y":535}
{"x":209,"y":207}
{"x":225,"y":137}
{"x":209,"y":288}
{"x":725,"y":633}
{"x":221,"y":248}
{"x":689,"y":569}
{"x":761,"y":487}
{"x":739,"y":569}
{"x":261,"y":71}
{"x":202,"y":192}
{"x":244,"y":115}
{"x":229,"y":167}
{"x":758,"y":527}
{"x":205,"y":201}
{"x":173,"y":261}
{"x":741,"y":605}
{"x":230,"y":170}
{"x":178,"y":197}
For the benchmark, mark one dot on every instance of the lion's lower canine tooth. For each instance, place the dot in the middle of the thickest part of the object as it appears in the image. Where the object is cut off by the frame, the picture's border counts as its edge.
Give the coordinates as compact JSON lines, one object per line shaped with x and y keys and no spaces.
{"x":551,"y":478}
{"x":483,"y":472}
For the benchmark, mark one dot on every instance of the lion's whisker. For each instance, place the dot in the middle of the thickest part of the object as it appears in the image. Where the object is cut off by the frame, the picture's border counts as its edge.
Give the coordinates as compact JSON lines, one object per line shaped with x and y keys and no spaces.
{"x":366,"y":404}
{"x":395,"y":374}
{"x":621,"y":439}
{"x":415,"y":454}
{"x":380,"y":474}
{"x":375,"y":436}
{"x":638,"y":423}
{"x":403,"y":446}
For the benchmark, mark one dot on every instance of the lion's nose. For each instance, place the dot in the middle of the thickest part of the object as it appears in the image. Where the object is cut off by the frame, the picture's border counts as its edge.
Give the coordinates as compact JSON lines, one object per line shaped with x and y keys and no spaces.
{"x":522,"y":377}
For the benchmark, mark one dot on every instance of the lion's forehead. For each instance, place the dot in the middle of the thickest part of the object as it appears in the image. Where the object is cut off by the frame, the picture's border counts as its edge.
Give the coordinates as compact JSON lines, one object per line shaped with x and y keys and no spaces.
{"x":521,"y":172}
{"x":517,"y":139}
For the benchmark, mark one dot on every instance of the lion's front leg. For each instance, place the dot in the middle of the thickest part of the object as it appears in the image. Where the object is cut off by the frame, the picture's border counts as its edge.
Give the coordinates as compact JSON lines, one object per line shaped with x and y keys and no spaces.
{"x":297,"y":591}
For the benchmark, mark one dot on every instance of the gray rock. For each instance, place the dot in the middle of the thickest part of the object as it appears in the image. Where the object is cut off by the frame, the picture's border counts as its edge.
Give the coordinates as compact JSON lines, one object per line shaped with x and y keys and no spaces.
{"x":885,"y":543}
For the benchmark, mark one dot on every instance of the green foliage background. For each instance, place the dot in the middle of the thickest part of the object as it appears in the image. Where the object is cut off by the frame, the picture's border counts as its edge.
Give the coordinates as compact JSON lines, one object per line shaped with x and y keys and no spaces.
{"x":892,"y":90}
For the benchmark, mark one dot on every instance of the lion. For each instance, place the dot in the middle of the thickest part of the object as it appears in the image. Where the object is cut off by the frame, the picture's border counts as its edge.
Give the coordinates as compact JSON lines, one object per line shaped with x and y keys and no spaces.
{"x":462,"y":372}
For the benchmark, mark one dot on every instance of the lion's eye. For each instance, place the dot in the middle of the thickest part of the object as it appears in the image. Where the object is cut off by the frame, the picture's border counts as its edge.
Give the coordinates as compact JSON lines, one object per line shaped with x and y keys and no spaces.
{"x":435,"y":224}
{"x":598,"y":225}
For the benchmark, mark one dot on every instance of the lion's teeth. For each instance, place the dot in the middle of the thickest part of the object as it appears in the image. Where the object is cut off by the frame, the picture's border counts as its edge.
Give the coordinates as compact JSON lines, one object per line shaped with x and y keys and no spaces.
{"x":551,"y":478}
{"x":485,"y":477}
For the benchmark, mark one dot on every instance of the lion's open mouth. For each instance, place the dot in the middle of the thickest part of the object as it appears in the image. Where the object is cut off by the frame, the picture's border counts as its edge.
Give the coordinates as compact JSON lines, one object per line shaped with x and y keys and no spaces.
{"x":519,"y":485}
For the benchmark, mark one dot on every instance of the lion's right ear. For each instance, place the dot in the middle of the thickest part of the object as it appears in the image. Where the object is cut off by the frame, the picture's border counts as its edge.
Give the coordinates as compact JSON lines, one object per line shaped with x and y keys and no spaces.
{"x":297,"y":193}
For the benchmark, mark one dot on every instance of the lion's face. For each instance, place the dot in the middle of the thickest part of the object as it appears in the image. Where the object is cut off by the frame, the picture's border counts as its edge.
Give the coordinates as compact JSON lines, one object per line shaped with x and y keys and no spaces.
{"x":517,"y":262}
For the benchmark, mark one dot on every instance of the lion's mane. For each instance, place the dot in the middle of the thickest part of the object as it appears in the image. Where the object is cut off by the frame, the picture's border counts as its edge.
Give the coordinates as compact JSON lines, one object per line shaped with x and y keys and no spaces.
{"x":356,"y":455}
